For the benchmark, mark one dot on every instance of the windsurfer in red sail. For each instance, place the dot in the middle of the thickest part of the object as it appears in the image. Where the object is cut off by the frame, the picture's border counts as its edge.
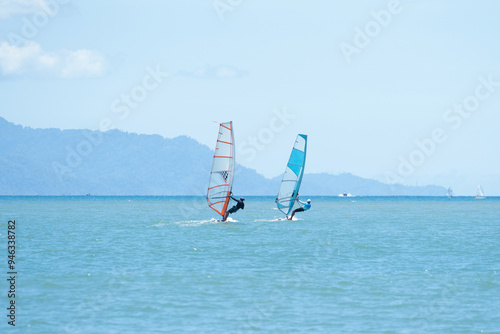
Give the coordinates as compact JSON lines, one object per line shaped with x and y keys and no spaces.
{"x":239,"y":205}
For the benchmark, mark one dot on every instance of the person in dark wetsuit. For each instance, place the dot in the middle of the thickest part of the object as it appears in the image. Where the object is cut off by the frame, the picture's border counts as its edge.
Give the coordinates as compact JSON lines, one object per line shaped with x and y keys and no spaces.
{"x":239,"y":205}
{"x":306,"y":206}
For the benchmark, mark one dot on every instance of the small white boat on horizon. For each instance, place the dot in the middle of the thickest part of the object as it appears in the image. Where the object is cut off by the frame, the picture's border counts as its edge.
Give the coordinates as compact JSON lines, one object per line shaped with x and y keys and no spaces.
{"x":480,"y":193}
{"x":346,"y":195}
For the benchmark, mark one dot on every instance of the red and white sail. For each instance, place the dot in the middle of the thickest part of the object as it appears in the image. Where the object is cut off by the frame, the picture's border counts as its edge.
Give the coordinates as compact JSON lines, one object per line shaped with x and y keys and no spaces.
{"x":222,"y":173}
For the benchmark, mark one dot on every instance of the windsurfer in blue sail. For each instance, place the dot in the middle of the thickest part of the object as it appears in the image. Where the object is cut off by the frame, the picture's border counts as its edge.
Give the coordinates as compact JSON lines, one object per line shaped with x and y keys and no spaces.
{"x":239,"y":205}
{"x":306,"y":206}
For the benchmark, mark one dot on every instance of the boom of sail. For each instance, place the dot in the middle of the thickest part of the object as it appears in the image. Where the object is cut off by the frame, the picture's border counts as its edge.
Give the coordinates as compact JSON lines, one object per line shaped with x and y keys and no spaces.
{"x":222,"y":173}
{"x":292,"y":178}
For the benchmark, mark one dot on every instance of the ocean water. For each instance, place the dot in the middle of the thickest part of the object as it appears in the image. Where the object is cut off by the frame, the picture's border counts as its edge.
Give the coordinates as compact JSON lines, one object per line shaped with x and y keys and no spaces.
{"x":165,"y":265}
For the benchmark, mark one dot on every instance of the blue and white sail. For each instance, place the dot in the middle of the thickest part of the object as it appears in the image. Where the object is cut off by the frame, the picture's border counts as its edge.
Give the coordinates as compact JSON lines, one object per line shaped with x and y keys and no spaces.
{"x":292,"y":178}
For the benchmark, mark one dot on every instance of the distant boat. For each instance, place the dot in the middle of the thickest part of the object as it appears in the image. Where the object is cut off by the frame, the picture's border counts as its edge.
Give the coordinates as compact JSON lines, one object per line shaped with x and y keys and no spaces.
{"x":290,"y":184}
{"x":480,"y":193}
{"x":222,"y":173}
{"x":450,"y":193}
{"x":346,"y":195}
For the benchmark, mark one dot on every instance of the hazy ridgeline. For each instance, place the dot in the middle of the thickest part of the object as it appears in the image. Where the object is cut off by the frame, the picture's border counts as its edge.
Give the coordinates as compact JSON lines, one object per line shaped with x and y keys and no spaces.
{"x":80,"y":162}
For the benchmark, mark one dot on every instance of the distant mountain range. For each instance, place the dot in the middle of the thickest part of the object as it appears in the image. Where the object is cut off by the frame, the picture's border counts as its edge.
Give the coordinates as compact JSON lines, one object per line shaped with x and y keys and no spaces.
{"x":80,"y":162}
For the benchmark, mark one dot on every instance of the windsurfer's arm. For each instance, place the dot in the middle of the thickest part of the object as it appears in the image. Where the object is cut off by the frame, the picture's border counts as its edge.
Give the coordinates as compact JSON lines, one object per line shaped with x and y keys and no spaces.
{"x":298,"y":199}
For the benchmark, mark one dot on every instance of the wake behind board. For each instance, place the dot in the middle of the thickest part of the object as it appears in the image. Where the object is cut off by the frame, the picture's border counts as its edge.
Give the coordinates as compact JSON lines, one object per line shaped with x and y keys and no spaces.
{"x":286,"y":219}
{"x":228,"y":220}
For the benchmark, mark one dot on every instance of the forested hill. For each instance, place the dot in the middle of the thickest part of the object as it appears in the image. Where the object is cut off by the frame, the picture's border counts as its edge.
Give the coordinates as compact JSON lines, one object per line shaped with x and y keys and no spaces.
{"x":80,"y":162}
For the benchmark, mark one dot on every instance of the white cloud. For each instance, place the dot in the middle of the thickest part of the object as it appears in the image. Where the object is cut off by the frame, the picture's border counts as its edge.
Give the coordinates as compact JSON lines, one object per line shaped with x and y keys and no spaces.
{"x":83,"y":63}
{"x":14,"y":60}
{"x":9,"y":8}
{"x":225,"y":72}
{"x":30,"y":59}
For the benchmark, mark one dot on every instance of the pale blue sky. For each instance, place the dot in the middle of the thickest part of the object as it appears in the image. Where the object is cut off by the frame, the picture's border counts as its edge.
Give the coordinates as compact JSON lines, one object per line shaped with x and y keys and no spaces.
{"x":275,"y":68}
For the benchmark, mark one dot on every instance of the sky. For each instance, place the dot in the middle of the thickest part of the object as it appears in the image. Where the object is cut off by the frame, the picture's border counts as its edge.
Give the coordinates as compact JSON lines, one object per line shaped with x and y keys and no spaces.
{"x":404,"y":91}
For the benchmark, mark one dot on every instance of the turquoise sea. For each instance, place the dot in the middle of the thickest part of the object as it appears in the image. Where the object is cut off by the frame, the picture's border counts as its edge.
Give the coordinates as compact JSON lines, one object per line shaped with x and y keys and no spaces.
{"x":164,"y":265}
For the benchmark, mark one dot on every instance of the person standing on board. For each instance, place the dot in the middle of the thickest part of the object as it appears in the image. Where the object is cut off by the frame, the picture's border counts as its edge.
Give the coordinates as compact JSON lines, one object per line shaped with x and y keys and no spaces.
{"x":306,"y":206}
{"x":239,"y":205}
